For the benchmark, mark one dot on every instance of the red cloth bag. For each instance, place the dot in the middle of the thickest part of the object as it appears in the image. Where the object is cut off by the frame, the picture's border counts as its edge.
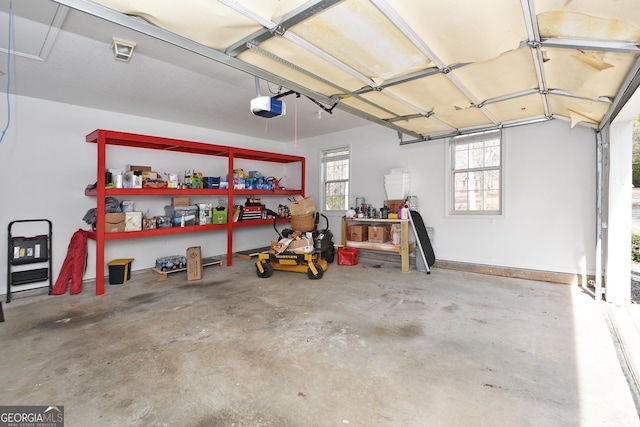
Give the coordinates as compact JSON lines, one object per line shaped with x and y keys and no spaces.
{"x":73,"y":266}
{"x":347,"y":256}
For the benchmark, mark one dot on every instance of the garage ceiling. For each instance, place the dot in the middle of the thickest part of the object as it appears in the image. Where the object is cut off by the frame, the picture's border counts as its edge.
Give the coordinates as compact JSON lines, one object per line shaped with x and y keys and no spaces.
{"x":426,"y":68}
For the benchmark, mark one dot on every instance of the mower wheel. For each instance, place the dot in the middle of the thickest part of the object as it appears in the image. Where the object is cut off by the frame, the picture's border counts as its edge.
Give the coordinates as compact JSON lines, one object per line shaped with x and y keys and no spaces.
{"x":315,"y":276}
{"x":268,"y":270}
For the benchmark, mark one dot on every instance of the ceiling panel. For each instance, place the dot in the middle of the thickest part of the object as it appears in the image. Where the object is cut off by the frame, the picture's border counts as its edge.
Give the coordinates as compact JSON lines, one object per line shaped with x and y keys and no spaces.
{"x":421,"y":68}
{"x":361,"y":104}
{"x":579,"y":111}
{"x":435,"y":93}
{"x":618,"y":11}
{"x":462,"y":118}
{"x":275,"y":55}
{"x":519,"y":108}
{"x":461,"y":31}
{"x":391,"y":104}
{"x":508,"y":73}
{"x":356,"y":33}
{"x":589,"y":74}
{"x":425,"y":126}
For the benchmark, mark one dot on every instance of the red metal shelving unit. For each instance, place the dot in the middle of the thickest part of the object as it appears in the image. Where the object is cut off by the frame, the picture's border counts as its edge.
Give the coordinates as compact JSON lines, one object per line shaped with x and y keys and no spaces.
{"x":103,"y":138}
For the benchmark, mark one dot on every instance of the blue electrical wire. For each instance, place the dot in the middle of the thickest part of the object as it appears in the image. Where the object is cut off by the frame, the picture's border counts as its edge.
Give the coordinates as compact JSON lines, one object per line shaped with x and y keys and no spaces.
{"x":8,"y":70}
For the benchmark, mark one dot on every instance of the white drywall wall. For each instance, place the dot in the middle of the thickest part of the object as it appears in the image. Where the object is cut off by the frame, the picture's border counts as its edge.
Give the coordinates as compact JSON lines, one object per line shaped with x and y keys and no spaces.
{"x":549,"y":221}
{"x":550,"y":182}
{"x":46,"y":165}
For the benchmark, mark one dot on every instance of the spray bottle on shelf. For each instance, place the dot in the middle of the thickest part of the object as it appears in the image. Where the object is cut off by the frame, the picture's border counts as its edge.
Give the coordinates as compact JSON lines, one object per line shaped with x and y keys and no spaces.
{"x":403,"y":211}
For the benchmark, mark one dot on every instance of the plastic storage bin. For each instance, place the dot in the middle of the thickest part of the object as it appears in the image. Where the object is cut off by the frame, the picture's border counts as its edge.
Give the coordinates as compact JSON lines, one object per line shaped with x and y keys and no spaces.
{"x":119,"y":270}
{"x":182,"y":215}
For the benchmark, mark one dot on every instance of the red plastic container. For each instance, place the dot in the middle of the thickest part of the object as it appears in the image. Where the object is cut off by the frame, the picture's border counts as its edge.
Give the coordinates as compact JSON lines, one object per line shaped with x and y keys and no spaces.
{"x":347,"y":256}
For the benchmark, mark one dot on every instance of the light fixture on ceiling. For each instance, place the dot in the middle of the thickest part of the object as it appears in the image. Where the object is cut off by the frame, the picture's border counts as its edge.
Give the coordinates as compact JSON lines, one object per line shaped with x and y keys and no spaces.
{"x":122,"y":50}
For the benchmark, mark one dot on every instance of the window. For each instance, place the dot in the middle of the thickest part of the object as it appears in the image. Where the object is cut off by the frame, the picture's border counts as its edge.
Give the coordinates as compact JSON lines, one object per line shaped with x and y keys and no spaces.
{"x":335,"y":178}
{"x":476,"y":173}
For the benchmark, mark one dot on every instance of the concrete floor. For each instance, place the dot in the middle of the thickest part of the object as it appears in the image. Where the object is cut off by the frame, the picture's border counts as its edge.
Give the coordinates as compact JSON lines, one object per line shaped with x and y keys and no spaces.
{"x":366,"y":345}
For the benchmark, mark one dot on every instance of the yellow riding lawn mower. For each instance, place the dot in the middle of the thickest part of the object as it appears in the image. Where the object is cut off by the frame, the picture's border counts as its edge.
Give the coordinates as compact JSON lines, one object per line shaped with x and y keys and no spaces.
{"x":308,"y":252}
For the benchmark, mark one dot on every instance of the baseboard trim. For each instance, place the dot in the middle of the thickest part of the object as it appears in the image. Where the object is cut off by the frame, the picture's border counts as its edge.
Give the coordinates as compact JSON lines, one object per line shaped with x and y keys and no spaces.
{"x":519,"y":273}
{"x":494,"y":270}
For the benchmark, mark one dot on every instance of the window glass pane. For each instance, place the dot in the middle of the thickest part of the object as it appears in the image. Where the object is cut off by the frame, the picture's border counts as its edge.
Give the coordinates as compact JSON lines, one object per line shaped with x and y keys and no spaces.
{"x":461,"y":158}
{"x":492,"y":179}
{"x":461,"y":179}
{"x":492,"y":156}
{"x":492,"y":200}
{"x":335,"y":176}
{"x":336,"y":195}
{"x":337,"y":170}
{"x":476,"y":180}
{"x":476,"y":171}
{"x":476,"y":157}
{"x":461,"y":200}
{"x":475,"y":200}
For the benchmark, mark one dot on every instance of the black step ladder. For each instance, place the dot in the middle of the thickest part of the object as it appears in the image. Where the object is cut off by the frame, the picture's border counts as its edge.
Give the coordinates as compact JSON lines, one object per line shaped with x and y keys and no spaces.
{"x":26,"y":251}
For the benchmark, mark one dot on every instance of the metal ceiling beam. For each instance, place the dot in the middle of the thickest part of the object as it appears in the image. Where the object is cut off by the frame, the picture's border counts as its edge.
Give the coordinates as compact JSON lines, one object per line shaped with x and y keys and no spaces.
{"x":409,"y":77}
{"x":391,"y":14}
{"x":470,"y":131}
{"x":510,"y":96}
{"x":550,"y":92}
{"x":531,"y":22}
{"x":564,"y":93}
{"x":298,"y":15}
{"x":161,"y":34}
{"x":597,"y":45}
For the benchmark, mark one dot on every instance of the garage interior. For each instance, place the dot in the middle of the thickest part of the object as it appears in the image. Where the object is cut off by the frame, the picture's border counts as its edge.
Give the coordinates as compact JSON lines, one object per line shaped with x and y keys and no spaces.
{"x":544,"y":338}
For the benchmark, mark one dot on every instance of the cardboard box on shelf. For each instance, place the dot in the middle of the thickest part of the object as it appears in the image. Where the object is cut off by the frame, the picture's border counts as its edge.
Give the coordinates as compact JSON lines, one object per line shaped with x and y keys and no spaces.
{"x":138,"y":168}
{"x":357,"y":233}
{"x":194,"y":263}
{"x":378,"y":233}
{"x":172,"y":182}
{"x":114,"y":222}
{"x":180,"y":201}
{"x":148,"y":175}
{"x":132,"y":221}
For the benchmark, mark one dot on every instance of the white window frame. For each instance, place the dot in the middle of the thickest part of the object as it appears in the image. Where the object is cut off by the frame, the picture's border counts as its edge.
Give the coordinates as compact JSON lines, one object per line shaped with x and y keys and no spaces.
{"x":323,"y":179}
{"x":450,"y":180}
